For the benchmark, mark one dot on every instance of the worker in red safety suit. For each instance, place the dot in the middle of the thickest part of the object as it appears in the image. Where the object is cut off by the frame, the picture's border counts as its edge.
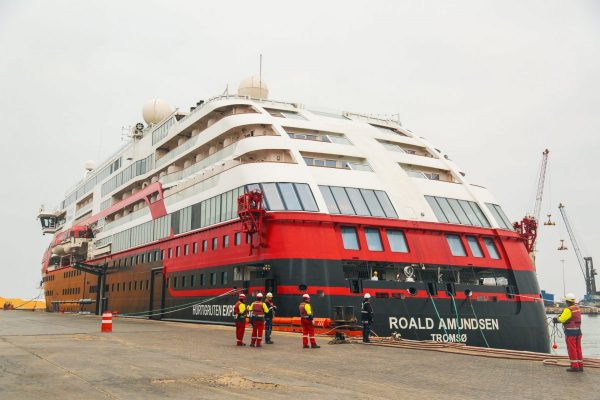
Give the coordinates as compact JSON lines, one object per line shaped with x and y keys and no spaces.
{"x":306,"y":319}
{"x":571,"y":320}
{"x":258,"y":310}
{"x":240,"y":311}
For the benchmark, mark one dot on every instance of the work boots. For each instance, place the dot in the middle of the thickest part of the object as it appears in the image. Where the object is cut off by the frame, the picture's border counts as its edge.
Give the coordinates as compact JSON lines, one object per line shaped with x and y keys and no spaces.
{"x":572,"y":369}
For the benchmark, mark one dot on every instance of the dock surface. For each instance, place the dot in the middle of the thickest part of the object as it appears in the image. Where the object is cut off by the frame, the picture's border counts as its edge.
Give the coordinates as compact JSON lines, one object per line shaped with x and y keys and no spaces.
{"x":61,"y":356}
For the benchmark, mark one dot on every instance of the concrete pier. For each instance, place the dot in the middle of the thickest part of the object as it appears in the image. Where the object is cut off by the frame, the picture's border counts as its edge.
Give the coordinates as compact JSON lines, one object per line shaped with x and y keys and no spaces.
{"x":62,"y":356}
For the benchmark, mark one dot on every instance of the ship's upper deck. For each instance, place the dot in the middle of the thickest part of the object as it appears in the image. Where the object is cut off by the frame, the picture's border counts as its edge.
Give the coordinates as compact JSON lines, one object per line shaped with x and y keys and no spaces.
{"x":303,"y":159}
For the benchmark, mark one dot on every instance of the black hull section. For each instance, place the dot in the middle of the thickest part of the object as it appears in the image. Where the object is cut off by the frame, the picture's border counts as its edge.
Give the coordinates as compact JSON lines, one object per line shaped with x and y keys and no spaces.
{"x":475,"y":323}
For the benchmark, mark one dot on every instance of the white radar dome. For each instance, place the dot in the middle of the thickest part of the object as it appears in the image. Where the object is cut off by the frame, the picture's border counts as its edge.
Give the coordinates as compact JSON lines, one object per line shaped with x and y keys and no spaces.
{"x":155,"y":111}
{"x":253,"y":87}
{"x":90,"y":165}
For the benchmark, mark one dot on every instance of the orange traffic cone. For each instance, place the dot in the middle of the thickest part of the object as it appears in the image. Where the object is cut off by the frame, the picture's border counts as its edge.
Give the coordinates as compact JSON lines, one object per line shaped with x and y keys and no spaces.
{"x":106,"y":322}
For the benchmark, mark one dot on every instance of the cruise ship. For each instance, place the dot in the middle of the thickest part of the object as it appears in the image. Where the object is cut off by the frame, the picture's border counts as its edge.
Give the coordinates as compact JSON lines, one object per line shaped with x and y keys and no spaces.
{"x":244,"y":193}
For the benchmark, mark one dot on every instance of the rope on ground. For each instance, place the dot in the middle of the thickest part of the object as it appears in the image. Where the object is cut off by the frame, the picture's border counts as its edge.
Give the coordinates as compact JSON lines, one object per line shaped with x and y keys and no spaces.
{"x":460,"y":348}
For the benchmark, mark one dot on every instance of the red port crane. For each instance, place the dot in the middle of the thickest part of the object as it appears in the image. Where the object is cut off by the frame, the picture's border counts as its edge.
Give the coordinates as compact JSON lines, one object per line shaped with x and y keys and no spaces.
{"x":527,"y":227}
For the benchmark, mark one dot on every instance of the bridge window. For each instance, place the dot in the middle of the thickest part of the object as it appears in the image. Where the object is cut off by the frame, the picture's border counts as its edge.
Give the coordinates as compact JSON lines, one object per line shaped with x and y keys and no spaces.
{"x":491,"y":248}
{"x":474,"y":246}
{"x":397,"y":241}
{"x":350,"y":238}
{"x":373,"y":239}
{"x":456,"y":246}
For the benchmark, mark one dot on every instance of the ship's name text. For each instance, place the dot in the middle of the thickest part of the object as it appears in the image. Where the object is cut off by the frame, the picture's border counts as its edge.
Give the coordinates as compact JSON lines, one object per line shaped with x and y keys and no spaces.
{"x":213,"y":310}
{"x":490,"y":324}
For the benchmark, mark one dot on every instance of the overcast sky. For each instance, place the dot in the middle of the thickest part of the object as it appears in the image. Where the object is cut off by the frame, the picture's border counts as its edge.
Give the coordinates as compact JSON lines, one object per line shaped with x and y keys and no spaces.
{"x":492,"y":83}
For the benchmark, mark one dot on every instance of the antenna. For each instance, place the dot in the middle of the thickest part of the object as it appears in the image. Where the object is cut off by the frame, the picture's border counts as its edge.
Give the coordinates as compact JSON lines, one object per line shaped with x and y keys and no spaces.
{"x":260,"y":74}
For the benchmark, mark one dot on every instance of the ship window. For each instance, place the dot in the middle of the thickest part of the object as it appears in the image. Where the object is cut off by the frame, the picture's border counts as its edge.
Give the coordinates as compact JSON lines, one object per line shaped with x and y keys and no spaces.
{"x":225,"y":241}
{"x":174,"y":282}
{"x":436,"y":209}
{"x":329,"y":200}
{"x":135,"y":285}
{"x":183,"y":282}
{"x":357,"y":201}
{"x":213,"y":279}
{"x":192,"y":280}
{"x":129,"y":286}
{"x":186,"y":249}
{"x":224,"y":278}
{"x":162,"y":254}
{"x":456,"y":246}
{"x":462,"y":216}
{"x":373,"y":239}
{"x":289,"y":196}
{"x":237,"y":238}
{"x":204,"y":245}
{"x":445,"y":206}
{"x":272,"y":197}
{"x":470,"y":213}
{"x":397,"y":241}
{"x":474,"y":246}
{"x":306,"y":197}
{"x":499,"y":215}
{"x":215,"y":243}
{"x":350,"y":238}
{"x":195,"y":248}
{"x":385,"y":202}
{"x":342,"y":200}
{"x":491,"y":248}
{"x":309,"y":160}
{"x":170,"y":252}
{"x":482,"y":218}
{"x":372,"y":202}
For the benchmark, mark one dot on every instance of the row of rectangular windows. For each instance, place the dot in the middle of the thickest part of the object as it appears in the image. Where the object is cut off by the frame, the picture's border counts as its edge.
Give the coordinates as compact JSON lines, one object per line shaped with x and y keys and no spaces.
{"x":396,"y":239}
{"x":181,"y":281}
{"x":457,"y":247}
{"x":219,"y":208}
{"x":179,"y":251}
{"x":91,"y":181}
{"x":137,"y":168}
{"x":397,"y":242}
{"x":70,"y":274}
{"x":353,"y":201}
{"x":74,"y":290}
{"x":457,"y":211}
{"x":123,"y":286}
{"x":48,"y":278}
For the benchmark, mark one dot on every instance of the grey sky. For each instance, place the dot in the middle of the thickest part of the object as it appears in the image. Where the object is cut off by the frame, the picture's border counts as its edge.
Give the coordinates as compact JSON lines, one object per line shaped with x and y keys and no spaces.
{"x":492,"y":83}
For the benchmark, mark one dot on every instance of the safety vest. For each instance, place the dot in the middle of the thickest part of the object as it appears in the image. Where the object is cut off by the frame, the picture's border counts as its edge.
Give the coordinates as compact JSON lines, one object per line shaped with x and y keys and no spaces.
{"x":270,"y":306}
{"x":366,"y":312}
{"x":239,"y":311}
{"x":573,"y":325}
{"x":305,"y":310}
{"x":258,"y":310}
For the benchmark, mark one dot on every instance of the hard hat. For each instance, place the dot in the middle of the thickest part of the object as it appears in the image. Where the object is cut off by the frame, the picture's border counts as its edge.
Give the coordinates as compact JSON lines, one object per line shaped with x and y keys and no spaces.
{"x":269,"y":294}
{"x":367,"y":296}
{"x":259,"y":295}
{"x":305,"y":296}
{"x":570,"y":297}
{"x":242,"y":296}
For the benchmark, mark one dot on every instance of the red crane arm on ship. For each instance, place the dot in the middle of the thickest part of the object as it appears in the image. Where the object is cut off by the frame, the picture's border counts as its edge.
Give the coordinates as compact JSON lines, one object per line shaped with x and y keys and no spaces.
{"x":252,"y":213}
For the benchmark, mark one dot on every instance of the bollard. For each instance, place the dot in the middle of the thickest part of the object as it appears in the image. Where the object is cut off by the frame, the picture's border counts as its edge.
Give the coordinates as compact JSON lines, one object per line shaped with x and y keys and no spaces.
{"x":106,"y":322}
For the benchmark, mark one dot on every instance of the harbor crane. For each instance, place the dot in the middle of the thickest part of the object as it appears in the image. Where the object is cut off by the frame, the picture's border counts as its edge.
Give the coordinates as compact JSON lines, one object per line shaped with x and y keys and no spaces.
{"x":585,"y":263}
{"x":527,"y":227}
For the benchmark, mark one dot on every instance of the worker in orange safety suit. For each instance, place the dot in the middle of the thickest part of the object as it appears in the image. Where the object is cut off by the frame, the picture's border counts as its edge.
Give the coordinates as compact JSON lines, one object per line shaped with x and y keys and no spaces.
{"x":306,"y":319}
{"x":258,"y":309}
{"x":571,"y":320}
{"x":240,"y":311}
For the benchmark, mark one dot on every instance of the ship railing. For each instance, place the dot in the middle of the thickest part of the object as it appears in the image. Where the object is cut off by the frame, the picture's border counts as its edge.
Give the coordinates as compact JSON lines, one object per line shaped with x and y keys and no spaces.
{"x":177,"y":151}
{"x":83,"y":210}
{"x":200,"y":165}
{"x":127,"y":218}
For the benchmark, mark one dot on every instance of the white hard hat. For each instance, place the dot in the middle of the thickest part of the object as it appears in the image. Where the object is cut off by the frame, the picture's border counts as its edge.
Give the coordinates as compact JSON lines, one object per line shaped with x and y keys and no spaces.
{"x":367,"y":296}
{"x":305,"y":296}
{"x":570,"y":297}
{"x":269,"y":294}
{"x":259,"y":295}
{"x":242,"y":296}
